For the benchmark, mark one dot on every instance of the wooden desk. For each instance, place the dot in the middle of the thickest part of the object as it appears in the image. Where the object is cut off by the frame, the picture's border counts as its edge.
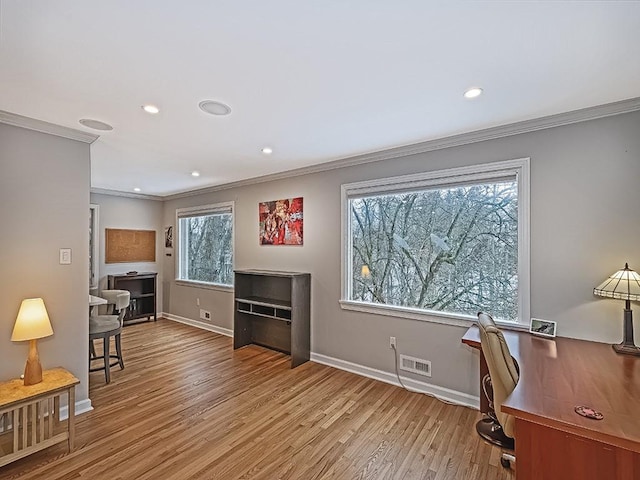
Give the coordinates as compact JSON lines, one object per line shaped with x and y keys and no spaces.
{"x":30,"y":416}
{"x":552,"y":441}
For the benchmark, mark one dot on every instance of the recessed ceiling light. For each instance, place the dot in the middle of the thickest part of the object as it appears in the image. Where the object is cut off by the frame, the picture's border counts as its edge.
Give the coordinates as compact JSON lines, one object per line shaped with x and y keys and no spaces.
{"x":152,"y":109}
{"x":214,"y":108}
{"x":195,"y":173}
{"x":136,"y":189}
{"x":95,"y":124}
{"x":473,"y":92}
{"x":267,"y":150}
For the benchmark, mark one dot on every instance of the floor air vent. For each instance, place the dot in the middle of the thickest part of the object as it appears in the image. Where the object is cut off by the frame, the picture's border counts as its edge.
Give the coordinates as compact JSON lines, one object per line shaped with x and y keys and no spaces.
{"x":415,"y":365}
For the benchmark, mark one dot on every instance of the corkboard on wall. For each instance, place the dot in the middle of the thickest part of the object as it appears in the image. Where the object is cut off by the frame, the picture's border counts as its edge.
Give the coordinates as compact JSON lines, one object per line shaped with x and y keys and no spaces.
{"x":122,"y":246}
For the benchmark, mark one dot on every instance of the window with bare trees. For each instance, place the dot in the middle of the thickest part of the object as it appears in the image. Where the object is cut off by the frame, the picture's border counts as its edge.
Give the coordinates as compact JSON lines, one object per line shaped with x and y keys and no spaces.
{"x":205,"y":244}
{"x":448,"y":243}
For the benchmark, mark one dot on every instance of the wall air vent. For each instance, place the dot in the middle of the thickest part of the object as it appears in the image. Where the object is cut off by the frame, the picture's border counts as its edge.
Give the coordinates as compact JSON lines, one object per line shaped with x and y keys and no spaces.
{"x":415,"y":365}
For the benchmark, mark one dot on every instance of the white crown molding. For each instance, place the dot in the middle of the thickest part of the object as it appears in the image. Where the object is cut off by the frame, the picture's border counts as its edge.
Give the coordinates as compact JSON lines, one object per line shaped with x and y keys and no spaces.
{"x":118,"y":193}
{"x":542,"y":123}
{"x":46,"y":127}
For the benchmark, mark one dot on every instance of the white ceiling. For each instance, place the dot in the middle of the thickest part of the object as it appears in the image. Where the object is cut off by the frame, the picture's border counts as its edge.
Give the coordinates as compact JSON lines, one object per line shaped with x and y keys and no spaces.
{"x":316,"y":81}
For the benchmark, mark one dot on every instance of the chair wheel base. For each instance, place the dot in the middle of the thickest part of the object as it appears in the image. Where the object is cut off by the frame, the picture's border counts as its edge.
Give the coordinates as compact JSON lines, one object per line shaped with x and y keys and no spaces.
{"x":507,"y":460}
{"x":492,"y":433}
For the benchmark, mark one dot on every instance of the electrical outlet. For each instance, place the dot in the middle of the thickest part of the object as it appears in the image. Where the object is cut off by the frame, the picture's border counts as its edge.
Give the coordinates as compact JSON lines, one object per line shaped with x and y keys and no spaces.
{"x":198,"y":302}
{"x":392,"y":342}
{"x":205,"y":314}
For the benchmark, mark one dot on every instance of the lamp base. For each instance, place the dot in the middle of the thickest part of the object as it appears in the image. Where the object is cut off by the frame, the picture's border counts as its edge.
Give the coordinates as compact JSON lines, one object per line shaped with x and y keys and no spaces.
{"x":33,"y":368}
{"x":627,"y":346}
{"x":627,"y":349}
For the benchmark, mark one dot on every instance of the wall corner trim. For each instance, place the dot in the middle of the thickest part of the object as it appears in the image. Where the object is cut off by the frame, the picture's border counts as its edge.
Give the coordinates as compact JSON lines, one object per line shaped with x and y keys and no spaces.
{"x":46,"y":127}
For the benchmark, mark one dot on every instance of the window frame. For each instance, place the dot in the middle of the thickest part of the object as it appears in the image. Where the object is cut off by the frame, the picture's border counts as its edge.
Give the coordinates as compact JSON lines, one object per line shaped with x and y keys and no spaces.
{"x":94,"y":246}
{"x":202,"y":210}
{"x":518,"y":168}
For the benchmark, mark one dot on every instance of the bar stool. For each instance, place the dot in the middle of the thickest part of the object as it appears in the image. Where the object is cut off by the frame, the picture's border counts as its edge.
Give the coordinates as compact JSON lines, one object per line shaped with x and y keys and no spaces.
{"x":106,"y":326}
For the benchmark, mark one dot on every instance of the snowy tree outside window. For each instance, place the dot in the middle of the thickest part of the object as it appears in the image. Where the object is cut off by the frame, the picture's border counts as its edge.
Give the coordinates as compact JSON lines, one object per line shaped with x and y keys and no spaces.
{"x":448,"y":242}
{"x":205,"y":244}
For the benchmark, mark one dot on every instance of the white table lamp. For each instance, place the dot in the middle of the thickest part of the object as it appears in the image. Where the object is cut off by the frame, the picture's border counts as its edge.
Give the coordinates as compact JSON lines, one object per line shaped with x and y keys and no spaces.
{"x":32,"y":323}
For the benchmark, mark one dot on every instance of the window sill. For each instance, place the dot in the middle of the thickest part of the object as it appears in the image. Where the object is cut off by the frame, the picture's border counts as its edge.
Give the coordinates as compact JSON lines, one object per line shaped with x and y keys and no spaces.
{"x":205,"y":285}
{"x":421,"y":315}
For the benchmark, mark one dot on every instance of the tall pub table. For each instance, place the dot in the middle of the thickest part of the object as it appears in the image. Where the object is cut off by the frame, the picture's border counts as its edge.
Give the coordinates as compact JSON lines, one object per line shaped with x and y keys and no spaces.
{"x":553,"y":442}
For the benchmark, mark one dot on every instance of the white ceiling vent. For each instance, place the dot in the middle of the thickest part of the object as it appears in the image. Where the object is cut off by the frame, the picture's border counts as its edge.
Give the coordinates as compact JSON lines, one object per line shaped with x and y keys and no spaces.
{"x":95,"y":124}
{"x":214,"y":108}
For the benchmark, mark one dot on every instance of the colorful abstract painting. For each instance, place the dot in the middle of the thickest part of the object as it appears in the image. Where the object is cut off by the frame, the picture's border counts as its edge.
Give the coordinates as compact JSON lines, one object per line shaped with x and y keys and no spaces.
{"x":281,"y":222}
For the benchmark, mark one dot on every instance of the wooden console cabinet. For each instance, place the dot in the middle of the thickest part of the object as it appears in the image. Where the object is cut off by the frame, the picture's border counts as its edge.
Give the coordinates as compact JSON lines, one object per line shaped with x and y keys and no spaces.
{"x":142,"y":287}
{"x":273,"y":309}
{"x":30,"y":415}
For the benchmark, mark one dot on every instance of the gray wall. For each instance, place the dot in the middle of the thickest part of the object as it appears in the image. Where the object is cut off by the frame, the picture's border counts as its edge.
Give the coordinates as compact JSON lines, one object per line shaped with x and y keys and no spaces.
{"x":584,"y":226}
{"x":129,"y":213}
{"x":44,"y":202}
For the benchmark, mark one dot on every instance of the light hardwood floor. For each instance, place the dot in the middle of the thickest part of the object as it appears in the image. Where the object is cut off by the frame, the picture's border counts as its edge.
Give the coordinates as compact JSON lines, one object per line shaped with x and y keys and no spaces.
{"x":188,"y":407}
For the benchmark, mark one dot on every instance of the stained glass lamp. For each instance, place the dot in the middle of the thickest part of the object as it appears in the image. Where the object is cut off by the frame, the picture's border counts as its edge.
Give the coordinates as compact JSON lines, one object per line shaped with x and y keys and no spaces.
{"x":623,"y":285}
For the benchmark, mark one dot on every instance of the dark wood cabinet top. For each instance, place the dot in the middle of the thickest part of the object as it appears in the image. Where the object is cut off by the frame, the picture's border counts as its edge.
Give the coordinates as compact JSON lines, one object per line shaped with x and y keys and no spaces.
{"x":271,"y":273}
{"x":558,"y":374}
{"x":134,"y":275}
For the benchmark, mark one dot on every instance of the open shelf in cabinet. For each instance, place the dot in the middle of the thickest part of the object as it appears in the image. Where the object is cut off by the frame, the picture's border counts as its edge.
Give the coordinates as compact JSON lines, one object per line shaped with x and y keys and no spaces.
{"x":272,"y":309}
{"x":142,"y":287}
{"x":264,"y":307}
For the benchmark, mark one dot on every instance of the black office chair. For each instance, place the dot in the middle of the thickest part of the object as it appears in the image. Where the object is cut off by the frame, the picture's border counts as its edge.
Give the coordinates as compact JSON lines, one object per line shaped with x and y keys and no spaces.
{"x":504,"y":375}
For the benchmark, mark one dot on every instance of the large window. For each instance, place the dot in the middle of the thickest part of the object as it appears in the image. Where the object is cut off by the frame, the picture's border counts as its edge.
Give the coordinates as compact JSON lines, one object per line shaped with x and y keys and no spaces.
{"x":448,"y":243}
{"x":205,"y":244}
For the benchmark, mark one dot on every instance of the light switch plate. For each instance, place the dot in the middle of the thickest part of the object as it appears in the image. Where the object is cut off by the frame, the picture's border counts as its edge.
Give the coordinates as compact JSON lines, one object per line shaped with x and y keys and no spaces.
{"x":65,"y":256}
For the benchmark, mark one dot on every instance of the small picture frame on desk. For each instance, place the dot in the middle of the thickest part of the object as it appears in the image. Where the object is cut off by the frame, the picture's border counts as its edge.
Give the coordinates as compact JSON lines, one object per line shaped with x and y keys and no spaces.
{"x":544,"y":328}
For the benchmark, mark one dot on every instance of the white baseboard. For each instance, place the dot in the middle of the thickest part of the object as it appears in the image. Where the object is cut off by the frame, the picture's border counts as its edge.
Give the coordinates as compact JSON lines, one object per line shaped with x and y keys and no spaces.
{"x":199,"y":324}
{"x":83,"y":406}
{"x":442,"y":393}
{"x":446,"y":394}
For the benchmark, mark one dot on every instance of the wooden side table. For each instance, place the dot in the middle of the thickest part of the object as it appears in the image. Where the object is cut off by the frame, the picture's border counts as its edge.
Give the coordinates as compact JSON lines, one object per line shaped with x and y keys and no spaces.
{"x":30,"y":415}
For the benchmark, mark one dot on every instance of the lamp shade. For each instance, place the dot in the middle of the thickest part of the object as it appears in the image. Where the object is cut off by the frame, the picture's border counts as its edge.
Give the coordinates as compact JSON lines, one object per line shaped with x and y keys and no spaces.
{"x":32,"y":322}
{"x":623,"y":285}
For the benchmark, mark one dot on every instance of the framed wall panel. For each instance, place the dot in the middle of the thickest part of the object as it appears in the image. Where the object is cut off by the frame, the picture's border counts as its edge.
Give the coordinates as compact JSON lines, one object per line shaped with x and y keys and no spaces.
{"x":124,"y":246}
